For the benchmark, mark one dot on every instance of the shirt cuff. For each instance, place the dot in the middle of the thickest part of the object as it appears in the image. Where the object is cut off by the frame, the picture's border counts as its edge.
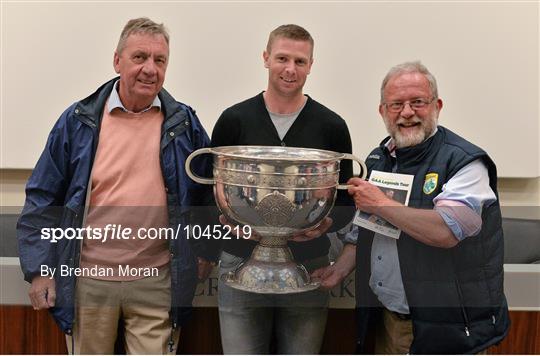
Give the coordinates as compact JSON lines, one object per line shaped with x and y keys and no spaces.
{"x":462,"y":220}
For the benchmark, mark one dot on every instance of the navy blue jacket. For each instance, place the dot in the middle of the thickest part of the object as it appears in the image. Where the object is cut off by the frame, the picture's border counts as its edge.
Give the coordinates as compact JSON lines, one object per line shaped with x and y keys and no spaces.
{"x":56,"y":194}
{"x":455,"y":295}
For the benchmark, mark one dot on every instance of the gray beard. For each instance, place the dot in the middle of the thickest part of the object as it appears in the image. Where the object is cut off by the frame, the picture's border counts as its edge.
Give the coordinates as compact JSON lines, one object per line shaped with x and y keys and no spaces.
{"x":428,"y":126}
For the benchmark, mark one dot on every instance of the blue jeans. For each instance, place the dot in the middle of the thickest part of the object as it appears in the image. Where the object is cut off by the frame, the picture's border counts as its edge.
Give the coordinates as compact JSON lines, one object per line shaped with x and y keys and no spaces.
{"x":248,"y":319}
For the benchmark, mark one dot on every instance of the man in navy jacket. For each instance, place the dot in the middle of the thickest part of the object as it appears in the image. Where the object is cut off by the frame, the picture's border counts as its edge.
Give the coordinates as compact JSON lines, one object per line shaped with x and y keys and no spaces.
{"x":122,"y":147}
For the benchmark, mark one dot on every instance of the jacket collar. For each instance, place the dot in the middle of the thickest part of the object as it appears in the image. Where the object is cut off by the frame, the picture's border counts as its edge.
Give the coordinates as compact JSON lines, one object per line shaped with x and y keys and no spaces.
{"x":409,"y":157}
{"x":92,"y":106}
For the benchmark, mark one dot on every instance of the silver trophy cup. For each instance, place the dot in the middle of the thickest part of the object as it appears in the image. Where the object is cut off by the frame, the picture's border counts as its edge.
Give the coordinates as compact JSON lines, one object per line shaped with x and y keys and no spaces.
{"x":278,"y":192}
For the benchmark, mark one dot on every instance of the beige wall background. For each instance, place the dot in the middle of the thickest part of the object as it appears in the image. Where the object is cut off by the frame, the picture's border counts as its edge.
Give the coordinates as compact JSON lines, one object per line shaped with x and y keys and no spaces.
{"x":484,"y":55}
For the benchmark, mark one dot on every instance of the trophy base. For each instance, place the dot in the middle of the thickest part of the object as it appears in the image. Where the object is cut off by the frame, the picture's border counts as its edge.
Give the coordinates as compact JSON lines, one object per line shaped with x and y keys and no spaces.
{"x":260,"y":275}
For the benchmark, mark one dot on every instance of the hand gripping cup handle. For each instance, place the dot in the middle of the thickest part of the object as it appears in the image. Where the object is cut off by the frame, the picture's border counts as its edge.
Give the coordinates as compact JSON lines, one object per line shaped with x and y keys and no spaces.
{"x":363,"y":172}
{"x":192,"y":175}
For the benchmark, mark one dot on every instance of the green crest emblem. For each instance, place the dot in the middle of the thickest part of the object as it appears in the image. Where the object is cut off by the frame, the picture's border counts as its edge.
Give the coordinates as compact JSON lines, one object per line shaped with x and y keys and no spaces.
{"x":430,"y":183}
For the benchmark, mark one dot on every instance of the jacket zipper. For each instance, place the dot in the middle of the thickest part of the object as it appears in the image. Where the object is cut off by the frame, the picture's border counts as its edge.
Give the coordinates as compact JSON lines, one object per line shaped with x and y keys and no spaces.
{"x":173,"y":314}
{"x":171,"y":337}
{"x":77,"y":258}
{"x":164,"y":134}
{"x":463,"y":311}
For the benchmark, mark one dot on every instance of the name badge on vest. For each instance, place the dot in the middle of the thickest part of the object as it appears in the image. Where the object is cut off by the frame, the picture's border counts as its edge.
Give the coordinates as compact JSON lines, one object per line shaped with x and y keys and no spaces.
{"x":430,"y":183}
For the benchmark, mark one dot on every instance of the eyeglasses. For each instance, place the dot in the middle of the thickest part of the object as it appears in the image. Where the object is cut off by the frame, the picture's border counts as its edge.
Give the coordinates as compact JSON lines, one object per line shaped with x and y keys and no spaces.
{"x":415,"y":104}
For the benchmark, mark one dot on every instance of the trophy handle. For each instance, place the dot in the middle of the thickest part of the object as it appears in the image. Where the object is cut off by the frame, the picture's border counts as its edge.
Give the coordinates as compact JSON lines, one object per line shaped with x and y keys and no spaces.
{"x":192,"y":175}
{"x":363,"y":173}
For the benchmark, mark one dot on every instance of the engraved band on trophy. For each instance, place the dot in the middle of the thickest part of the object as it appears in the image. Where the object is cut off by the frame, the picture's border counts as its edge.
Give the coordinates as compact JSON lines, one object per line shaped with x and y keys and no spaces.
{"x":279,"y":192}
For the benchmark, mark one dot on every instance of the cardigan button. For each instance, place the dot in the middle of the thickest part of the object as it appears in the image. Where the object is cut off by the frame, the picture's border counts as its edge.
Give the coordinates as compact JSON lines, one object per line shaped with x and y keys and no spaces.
{"x":283,"y":144}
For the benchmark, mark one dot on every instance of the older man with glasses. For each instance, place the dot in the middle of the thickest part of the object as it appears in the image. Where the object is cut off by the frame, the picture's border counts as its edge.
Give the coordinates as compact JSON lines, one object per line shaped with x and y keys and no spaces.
{"x":438,"y":288}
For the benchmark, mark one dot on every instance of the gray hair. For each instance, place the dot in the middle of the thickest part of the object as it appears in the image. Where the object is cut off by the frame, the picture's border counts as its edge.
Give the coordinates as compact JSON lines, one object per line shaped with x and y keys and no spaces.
{"x":141,"y":25}
{"x":410,"y":67}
